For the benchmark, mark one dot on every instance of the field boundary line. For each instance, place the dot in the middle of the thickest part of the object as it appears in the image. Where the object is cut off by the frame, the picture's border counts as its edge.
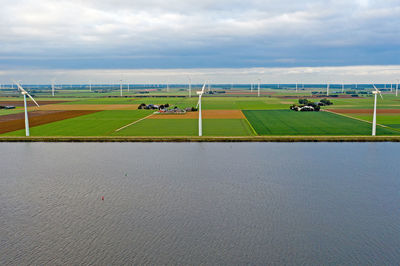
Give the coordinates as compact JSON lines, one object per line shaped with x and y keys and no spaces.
{"x":248,"y":122}
{"x":134,"y":122}
{"x":355,"y":118}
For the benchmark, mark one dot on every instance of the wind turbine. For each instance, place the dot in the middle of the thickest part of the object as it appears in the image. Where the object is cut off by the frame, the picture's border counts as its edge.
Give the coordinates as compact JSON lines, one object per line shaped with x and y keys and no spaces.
{"x":24,"y":93}
{"x":52,"y":87}
{"x":190,"y":87}
{"x":259,"y":87}
{"x":342,"y":87}
{"x":90,"y":85}
{"x":200,"y":93}
{"x":397,"y":87}
{"x":296,"y":86}
{"x":327,"y":89}
{"x":120,"y":87}
{"x":376,"y":92}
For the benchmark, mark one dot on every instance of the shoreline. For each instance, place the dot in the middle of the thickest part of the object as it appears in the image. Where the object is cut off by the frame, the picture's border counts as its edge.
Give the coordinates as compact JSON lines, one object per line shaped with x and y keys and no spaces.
{"x":207,"y":139}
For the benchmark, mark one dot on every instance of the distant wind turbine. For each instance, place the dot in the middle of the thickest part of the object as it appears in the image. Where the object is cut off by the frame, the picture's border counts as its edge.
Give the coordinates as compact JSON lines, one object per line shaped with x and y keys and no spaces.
{"x":120,"y":87}
{"x":24,"y":93}
{"x":342,"y":87}
{"x":190,"y":87}
{"x":376,"y":92}
{"x":259,"y":87}
{"x":200,"y":93}
{"x":52,"y":87}
{"x":327,"y":89}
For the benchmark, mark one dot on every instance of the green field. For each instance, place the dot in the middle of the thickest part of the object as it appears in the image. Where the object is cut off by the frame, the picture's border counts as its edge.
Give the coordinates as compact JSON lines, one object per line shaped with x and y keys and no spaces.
{"x":267,"y":115}
{"x":286,"y":122}
{"x":11,"y":111}
{"x":97,"y":124}
{"x":187,"y":127}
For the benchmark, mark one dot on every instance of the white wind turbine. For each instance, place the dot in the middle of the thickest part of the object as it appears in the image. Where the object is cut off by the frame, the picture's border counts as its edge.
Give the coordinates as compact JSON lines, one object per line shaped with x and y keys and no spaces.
{"x":24,"y":93}
{"x":190,"y":87}
{"x":258,"y":87}
{"x":200,"y":93}
{"x":52,"y":87}
{"x":120,"y":87}
{"x":397,"y":87}
{"x":376,"y":92}
{"x":327,"y":89}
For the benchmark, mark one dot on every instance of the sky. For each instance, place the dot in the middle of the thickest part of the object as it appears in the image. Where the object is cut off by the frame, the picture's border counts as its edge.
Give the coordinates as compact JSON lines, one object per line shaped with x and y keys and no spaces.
{"x":82,"y":39}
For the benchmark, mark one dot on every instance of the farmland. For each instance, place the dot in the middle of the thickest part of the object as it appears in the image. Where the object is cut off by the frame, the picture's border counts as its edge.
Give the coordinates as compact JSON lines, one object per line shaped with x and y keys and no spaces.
{"x":234,"y":114}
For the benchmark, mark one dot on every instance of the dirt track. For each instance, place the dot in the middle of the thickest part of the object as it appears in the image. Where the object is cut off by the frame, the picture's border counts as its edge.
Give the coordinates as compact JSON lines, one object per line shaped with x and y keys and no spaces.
{"x":14,"y":122}
{"x":365,"y":111}
{"x":85,"y":107}
{"x":207,"y":114}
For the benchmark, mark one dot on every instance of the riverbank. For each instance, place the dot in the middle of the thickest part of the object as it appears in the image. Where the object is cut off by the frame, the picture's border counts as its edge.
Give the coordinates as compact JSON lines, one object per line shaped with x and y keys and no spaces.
{"x":207,"y":139}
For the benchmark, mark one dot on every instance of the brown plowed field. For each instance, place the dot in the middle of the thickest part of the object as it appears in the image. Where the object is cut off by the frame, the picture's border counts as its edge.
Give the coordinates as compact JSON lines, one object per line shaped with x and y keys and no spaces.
{"x":29,"y":102}
{"x":14,"y":122}
{"x":365,"y":111}
{"x":86,"y":107}
{"x":206,"y":114}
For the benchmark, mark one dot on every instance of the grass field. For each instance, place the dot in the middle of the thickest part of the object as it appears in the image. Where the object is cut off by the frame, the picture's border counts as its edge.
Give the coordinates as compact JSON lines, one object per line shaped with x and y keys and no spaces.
{"x":267,"y":115}
{"x":161,"y":127}
{"x":11,"y":111}
{"x":286,"y":122}
{"x":98,"y":124}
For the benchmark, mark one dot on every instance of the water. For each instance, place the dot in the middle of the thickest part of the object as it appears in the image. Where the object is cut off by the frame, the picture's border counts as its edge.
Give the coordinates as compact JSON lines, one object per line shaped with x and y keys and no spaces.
{"x":199,"y":203}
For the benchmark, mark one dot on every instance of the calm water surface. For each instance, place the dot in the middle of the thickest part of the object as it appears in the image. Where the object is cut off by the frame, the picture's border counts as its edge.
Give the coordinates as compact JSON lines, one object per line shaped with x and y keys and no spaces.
{"x":199,"y":203}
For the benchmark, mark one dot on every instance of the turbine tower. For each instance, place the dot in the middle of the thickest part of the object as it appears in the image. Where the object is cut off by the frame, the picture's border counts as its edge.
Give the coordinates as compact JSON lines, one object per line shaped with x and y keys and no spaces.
{"x":24,"y":93}
{"x":397,"y":87}
{"x":259,"y":87}
{"x":376,"y":92}
{"x":52,"y":87}
{"x":190,"y":87}
{"x":327,"y":89}
{"x":200,"y":93}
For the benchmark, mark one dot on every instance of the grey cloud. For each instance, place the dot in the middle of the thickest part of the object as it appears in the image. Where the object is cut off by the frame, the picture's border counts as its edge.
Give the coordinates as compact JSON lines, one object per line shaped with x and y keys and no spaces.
{"x":102,"y":29}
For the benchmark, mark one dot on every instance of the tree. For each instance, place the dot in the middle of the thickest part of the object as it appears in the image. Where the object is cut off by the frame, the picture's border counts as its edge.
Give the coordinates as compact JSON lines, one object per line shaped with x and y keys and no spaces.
{"x":303,"y":101}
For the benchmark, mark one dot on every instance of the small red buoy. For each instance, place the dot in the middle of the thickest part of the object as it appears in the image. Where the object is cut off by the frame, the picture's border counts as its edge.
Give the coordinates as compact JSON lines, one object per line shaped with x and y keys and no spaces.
{"x":102,"y":197}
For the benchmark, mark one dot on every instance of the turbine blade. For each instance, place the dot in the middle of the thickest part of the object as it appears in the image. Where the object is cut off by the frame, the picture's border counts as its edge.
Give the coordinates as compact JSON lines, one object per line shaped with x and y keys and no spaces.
{"x":19,"y":86}
{"x":33,"y":99}
{"x":375,"y":88}
{"x":204,"y":87}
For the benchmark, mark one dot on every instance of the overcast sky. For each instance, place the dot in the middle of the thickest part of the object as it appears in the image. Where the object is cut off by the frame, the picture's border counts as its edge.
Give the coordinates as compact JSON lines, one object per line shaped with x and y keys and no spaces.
{"x":196,"y":34}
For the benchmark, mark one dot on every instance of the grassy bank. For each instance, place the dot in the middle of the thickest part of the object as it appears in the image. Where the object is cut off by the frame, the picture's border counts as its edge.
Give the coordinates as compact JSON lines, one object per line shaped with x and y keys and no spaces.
{"x":207,"y":139}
